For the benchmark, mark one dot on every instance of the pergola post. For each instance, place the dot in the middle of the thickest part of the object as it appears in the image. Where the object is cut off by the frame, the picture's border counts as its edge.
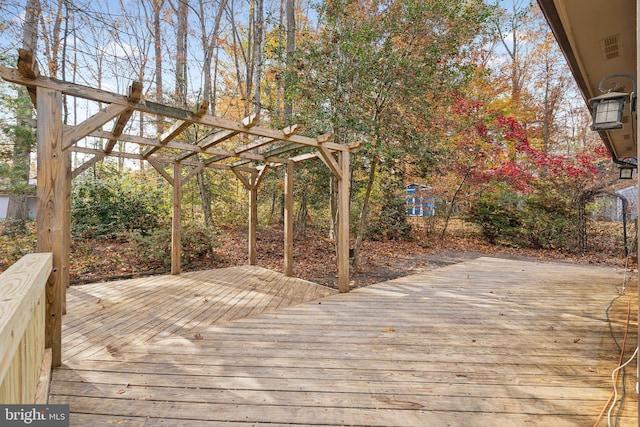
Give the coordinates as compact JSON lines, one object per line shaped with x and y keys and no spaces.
{"x":288,"y":220}
{"x":53,"y":233}
{"x":253,"y":218}
{"x":176,"y":218}
{"x":343,"y":221}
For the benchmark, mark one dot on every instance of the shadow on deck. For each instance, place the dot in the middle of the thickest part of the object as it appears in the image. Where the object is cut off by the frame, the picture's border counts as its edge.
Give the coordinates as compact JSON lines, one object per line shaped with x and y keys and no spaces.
{"x":483,"y":343}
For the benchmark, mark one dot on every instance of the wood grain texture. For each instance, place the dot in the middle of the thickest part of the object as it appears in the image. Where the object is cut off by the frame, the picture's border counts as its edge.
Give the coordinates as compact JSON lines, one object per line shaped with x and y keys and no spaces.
{"x":44,"y":382}
{"x":288,"y":220}
{"x":149,"y":107}
{"x":343,"y":221}
{"x":54,"y":176}
{"x":484,"y":343}
{"x":176,"y":220}
{"x":22,"y":327}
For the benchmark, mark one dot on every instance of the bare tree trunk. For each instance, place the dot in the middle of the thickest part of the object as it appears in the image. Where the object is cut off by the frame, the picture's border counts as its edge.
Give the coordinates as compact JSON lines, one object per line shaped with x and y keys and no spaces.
{"x":249,"y":59}
{"x":181,"y":52}
{"x":30,"y":32}
{"x":257,"y":54}
{"x":65,"y":37}
{"x":290,"y":49}
{"x":157,"y":48}
{"x":205,"y":198}
{"x":333,"y":202}
{"x":582,"y":220}
{"x":210,"y":45}
{"x":302,"y":214}
{"x":452,"y":205}
{"x":53,"y":42}
{"x":362,"y":223}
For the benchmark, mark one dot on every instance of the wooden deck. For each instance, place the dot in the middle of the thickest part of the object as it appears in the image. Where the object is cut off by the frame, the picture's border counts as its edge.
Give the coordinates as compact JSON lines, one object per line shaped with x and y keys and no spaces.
{"x":488,"y":342}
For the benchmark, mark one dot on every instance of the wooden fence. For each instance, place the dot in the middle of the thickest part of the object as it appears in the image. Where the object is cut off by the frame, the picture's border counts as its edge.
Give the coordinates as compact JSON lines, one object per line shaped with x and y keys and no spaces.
{"x":25,"y":366}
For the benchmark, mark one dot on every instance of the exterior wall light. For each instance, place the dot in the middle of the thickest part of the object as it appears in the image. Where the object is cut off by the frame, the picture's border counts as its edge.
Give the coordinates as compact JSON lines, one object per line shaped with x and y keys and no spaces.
{"x":608,"y":108}
{"x":615,"y":124}
{"x":626,"y":172}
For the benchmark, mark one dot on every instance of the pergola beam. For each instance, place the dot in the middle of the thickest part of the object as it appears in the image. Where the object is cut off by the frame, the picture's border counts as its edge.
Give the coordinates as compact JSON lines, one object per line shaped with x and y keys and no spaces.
{"x":167,"y":160}
{"x":176,"y":129}
{"x":288,"y":131}
{"x":192,"y":149}
{"x":259,"y":142}
{"x":87,"y":164}
{"x":135,"y":94}
{"x":330,"y":161}
{"x":193,"y":172}
{"x":98,"y":95}
{"x":275,"y":152}
{"x":219,"y":137}
{"x":28,"y":68}
{"x":160,"y":169}
{"x":76,"y":133}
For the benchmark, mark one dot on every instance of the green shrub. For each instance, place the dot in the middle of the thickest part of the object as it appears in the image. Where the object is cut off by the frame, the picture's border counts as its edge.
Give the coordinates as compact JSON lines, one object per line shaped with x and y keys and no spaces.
{"x":154,"y":247}
{"x":497,"y":214}
{"x":549,"y":220}
{"x":15,"y":246}
{"x":544,"y":219}
{"x":112,"y":206}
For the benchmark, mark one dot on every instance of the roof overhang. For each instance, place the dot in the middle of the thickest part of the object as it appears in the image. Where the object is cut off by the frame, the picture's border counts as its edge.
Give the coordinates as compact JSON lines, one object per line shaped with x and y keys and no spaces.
{"x":598,"y":38}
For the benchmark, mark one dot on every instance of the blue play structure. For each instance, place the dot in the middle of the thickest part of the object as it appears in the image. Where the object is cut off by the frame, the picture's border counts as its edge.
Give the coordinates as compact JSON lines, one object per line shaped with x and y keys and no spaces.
{"x":420,"y":200}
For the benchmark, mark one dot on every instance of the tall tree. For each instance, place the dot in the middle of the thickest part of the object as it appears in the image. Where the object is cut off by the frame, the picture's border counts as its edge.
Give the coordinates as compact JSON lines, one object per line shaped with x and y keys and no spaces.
{"x":289,"y":59}
{"x":181,"y":73}
{"x":157,"y":6}
{"x":510,"y":27}
{"x":209,"y":42}
{"x":375,"y":73}
{"x":209,"y":39}
{"x":258,"y":40}
{"x":21,"y":135}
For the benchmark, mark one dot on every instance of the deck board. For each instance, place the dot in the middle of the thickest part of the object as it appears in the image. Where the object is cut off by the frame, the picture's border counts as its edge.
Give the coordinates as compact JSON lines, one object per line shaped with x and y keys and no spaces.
{"x":483,"y":343}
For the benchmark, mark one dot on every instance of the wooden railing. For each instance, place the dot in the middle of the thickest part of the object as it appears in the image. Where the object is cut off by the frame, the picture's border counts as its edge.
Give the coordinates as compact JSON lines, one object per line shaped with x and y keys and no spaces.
{"x":23,"y":359}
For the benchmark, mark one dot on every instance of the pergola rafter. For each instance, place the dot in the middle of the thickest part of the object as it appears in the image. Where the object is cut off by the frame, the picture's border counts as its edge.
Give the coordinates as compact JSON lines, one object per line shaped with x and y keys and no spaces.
{"x":175,"y":160}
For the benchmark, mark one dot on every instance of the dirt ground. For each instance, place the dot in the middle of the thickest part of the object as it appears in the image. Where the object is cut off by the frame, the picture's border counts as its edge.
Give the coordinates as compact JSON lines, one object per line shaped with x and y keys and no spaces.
{"x":314,"y":254}
{"x":314,"y":257}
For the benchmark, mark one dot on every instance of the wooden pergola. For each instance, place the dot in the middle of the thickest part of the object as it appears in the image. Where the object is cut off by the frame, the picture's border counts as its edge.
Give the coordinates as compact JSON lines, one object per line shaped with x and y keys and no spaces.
{"x":248,"y":161}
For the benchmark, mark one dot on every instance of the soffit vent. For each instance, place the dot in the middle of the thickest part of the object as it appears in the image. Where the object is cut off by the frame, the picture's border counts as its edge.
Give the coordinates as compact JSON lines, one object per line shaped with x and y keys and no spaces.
{"x":611,"y":47}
